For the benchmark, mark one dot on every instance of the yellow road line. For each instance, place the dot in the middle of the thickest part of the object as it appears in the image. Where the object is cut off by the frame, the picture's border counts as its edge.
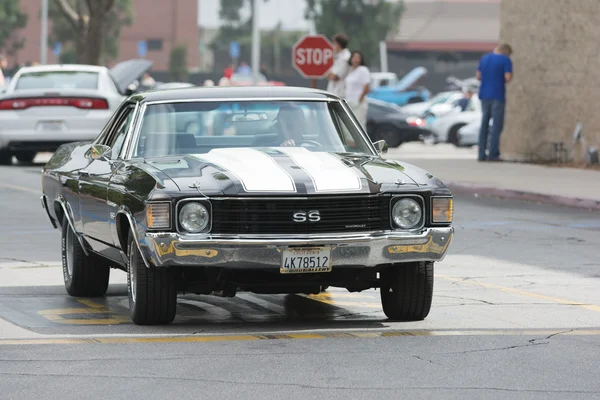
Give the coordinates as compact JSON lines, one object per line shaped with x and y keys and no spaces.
{"x":558,"y":300}
{"x":20,"y":188}
{"x":301,"y":336}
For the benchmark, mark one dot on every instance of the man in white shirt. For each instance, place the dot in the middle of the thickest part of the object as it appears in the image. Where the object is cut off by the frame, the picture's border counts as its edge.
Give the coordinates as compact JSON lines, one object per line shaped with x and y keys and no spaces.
{"x":340,"y":68}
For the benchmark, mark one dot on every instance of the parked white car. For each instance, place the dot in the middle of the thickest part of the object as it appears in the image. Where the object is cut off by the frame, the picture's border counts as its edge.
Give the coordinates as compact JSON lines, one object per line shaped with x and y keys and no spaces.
{"x":468,"y":135}
{"x":46,"y":106}
{"x":439,"y":104}
{"x":445,"y":128}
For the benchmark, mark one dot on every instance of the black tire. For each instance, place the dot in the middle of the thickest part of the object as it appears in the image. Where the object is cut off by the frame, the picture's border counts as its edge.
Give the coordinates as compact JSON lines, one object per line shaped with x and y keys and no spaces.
{"x":151,"y":291}
{"x":5,"y":157}
{"x":390,"y":134}
{"x":26,"y":156}
{"x":407,"y":291}
{"x":324,"y":288}
{"x":453,"y":134}
{"x":84,"y":276}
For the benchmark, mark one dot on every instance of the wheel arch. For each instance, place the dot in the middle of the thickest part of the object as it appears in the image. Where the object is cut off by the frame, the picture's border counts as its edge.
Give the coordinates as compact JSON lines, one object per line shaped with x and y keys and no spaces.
{"x":125,"y":226}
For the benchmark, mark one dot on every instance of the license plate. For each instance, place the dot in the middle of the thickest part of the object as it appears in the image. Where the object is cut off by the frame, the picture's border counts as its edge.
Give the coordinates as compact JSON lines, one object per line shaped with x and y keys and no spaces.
{"x":305,"y":260}
{"x":51,"y":125}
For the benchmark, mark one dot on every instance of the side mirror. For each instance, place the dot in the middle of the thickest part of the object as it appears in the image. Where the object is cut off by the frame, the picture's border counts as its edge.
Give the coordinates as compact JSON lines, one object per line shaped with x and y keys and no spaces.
{"x":381,"y":146}
{"x":99,"y":152}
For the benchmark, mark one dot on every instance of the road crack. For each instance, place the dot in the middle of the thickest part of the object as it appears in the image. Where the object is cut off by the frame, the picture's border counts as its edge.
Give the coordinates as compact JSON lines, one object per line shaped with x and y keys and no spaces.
{"x":530,"y":343}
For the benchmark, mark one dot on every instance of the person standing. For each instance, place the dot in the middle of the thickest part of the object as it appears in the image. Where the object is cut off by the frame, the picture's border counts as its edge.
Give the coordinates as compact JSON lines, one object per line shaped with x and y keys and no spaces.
{"x":340,"y":67}
{"x":357,"y":84}
{"x":494,"y":72}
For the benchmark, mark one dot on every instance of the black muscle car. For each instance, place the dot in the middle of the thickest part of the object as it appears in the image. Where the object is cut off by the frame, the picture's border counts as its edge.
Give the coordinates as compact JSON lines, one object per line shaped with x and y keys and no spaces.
{"x":282,"y":192}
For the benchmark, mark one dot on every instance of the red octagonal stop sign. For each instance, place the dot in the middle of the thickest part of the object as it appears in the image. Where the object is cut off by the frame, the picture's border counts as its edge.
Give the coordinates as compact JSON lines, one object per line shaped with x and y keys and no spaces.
{"x":313,"y":56}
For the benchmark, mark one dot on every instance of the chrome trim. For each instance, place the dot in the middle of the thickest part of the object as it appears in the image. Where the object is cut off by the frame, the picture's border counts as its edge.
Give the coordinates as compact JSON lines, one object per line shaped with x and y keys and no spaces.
{"x":232,"y":99}
{"x":126,"y":143}
{"x":202,"y":200}
{"x":45,"y":207}
{"x":431,"y":210}
{"x":66,"y":209}
{"x":371,"y":249}
{"x":423,"y":217}
{"x":135,"y":132}
{"x":170,"y":215}
{"x":133,"y":226}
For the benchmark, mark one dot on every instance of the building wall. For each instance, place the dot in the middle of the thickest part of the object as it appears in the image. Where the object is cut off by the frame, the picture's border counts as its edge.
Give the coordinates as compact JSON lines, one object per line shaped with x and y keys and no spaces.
{"x":556,"y":80}
{"x":172,"y":22}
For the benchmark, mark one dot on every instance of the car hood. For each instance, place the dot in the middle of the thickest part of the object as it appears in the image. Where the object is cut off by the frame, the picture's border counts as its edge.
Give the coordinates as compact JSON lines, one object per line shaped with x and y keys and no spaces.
{"x":126,"y":72}
{"x":288,"y":171}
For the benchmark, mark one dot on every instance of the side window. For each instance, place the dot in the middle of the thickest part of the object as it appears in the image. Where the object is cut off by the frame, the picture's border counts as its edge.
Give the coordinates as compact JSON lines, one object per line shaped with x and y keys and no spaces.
{"x":115,"y":142}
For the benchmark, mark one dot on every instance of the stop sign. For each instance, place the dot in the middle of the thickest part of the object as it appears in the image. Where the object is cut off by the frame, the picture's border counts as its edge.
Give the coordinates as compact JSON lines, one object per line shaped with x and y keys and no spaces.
{"x":312,"y":56}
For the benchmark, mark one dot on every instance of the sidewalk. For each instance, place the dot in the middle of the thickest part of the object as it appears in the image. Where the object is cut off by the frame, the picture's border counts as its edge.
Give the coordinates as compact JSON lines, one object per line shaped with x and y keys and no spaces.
{"x":462,"y":173}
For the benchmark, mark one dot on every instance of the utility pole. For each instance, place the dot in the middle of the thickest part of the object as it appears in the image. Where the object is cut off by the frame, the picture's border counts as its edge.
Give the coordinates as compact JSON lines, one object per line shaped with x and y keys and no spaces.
{"x":44,"y":33}
{"x":255,"y":42}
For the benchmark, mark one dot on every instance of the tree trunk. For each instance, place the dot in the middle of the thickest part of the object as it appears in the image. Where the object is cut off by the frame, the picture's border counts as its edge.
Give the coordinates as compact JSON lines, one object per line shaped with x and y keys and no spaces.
{"x":95,"y":32}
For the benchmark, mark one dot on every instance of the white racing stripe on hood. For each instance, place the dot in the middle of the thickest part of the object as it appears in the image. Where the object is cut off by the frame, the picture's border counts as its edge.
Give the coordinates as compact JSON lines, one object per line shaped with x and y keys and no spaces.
{"x":256,"y":171}
{"x":328,"y":173}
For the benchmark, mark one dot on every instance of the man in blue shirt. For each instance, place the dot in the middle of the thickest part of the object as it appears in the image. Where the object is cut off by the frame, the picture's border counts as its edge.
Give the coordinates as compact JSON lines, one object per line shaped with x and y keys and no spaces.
{"x":494,"y":72}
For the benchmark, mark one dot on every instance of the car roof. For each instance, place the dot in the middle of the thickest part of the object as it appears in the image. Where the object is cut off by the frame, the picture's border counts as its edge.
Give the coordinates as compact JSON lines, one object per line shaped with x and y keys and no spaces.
{"x":63,"y":67}
{"x":232,"y":92}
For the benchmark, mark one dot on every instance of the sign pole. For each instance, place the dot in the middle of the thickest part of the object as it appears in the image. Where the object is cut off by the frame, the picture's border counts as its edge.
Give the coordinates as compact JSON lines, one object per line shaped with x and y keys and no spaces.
{"x":255,"y":42}
{"x":313,"y":83}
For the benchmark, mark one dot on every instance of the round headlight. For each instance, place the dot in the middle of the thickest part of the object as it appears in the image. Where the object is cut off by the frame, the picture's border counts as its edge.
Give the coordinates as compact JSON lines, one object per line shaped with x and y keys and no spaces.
{"x":406,"y":213}
{"x":193,"y":217}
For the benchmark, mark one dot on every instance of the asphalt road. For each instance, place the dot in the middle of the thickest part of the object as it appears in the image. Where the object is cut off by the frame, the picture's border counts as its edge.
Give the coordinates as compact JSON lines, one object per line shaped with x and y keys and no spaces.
{"x":516,"y":314}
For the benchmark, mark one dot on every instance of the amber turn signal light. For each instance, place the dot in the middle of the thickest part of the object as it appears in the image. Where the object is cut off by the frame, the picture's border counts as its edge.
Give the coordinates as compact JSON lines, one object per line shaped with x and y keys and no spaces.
{"x":442,"y":210}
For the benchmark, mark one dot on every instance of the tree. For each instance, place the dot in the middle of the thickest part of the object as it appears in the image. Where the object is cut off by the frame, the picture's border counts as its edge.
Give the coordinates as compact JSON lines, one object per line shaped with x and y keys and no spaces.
{"x":92,"y":27}
{"x":178,"y":63}
{"x":11,"y":19}
{"x":366,"y":22}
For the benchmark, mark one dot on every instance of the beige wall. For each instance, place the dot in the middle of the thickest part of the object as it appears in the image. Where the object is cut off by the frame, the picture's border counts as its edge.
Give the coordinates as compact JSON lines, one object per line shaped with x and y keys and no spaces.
{"x":556,"y":83}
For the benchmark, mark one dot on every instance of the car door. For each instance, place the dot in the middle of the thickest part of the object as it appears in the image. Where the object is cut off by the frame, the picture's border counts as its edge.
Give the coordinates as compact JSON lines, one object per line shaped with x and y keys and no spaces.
{"x":93,"y":186}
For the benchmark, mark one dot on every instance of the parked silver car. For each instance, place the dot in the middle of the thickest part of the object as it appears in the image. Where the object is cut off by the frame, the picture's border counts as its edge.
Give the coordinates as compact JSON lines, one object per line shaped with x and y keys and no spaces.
{"x":46,"y":106}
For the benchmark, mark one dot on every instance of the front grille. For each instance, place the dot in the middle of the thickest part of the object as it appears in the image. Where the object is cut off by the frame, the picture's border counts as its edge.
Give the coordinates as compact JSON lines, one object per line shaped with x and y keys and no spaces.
{"x":275,"y":216}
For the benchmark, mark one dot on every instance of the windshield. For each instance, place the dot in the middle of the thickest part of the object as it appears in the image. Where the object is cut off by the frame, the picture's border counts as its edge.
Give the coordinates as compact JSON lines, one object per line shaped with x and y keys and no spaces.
{"x":198,"y":127}
{"x":57,"y":80}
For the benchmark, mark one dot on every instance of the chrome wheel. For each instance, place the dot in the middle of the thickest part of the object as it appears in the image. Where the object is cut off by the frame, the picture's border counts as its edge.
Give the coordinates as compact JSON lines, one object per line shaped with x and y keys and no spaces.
{"x":70,"y":252}
{"x":132,"y":276}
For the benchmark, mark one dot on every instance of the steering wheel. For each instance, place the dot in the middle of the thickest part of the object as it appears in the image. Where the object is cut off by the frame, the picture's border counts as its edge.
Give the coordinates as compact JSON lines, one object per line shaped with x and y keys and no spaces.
{"x":310,"y":143}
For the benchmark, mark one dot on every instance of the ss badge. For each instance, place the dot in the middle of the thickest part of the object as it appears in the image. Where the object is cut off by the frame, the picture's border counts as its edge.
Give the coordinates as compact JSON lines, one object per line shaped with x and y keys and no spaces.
{"x":310,"y":216}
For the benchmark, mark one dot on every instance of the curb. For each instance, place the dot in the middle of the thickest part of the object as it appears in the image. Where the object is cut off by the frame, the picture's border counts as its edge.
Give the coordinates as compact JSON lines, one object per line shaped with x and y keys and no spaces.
{"x":509,"y":194}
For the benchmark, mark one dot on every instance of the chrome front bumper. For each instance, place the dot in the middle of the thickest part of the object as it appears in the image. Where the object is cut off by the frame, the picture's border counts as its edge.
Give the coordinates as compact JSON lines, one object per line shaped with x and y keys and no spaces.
{"x":355,"y":250}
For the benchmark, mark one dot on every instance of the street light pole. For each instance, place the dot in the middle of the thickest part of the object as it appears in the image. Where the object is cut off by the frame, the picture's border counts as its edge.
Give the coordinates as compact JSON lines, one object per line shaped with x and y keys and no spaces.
{"x":44,"y":33}
{"x":255,"y":42}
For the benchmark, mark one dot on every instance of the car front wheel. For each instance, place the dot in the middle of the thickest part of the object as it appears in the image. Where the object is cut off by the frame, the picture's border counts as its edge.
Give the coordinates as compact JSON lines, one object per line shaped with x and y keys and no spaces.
{"x":84,"y":276}
{"x":152,"y":294}
{"x":407,"y":291}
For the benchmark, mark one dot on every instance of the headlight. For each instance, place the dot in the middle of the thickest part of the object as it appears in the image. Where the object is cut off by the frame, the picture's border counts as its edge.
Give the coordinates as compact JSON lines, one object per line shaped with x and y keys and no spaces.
{"x":158,"y":215}
{"x":407,"y":213}
{"x":194,"y":217}
{"x":442,"y":210}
